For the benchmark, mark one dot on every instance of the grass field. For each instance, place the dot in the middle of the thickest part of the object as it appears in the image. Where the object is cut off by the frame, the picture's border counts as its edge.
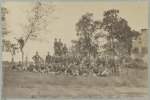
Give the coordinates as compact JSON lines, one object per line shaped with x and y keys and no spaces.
{"x":23,"y":84}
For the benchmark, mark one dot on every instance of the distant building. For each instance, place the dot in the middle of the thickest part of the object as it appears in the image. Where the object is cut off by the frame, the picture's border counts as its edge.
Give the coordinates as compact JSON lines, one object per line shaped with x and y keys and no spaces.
{"x":140,"y":46}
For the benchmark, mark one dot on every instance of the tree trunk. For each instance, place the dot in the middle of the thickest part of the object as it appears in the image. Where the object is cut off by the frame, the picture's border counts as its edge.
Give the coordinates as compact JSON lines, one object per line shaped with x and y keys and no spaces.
{"x":12,"y":57}
{"x":113,"y":46}
{"x":89,"y":64}
{"x":22,"y":54}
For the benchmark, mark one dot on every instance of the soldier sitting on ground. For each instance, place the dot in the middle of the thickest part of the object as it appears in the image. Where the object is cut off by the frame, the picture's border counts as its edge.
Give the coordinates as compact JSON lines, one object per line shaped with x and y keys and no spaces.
{"x":42,"y":68}
{"x":76,"y":72}
{"x":19,"y":66}
{"x":12,"y":65}
{"x":31,"y":67}
{"x":63,"y":68}
{"x":68,"y":69}
{"x":95,"y":70}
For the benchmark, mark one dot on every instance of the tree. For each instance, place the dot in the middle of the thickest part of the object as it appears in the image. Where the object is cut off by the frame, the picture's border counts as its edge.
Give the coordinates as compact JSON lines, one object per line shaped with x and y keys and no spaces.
{"x":4,"y":21}
{"x":37,"y":22}
{"x":86,"y":45}
{"x":4,"y":26}
{"x":10,"y":47}
{"x":119,"y":36}
{"x":118,"y":29}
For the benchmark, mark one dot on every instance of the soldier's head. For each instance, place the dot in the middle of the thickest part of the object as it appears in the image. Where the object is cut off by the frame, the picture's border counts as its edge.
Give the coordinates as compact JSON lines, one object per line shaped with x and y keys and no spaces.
{"x":36,"y":52}
{"x":19,"y":62}
{"x":55,"y":39}
{"x":65,"y":44}
{"x":59,"y":40}
{"x":21,"y":37}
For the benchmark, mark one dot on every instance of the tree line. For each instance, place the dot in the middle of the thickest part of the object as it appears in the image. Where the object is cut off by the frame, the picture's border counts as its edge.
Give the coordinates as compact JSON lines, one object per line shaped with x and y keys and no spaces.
{"x":113,"y":29}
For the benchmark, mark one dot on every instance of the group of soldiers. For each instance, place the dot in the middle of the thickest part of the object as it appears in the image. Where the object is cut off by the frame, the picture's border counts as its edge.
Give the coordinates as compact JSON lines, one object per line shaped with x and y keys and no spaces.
{"x":59,"y":48}
{"x":60,"y":65}
{"x":66,"y":64}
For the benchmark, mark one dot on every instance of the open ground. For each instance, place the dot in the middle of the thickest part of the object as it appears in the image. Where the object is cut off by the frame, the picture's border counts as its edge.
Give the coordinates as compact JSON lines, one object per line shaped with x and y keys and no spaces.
{"x":24,"y":84}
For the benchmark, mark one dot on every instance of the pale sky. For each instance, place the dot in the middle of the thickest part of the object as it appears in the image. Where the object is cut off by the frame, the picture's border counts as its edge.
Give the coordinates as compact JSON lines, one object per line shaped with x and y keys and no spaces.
{"x":136,"y":13}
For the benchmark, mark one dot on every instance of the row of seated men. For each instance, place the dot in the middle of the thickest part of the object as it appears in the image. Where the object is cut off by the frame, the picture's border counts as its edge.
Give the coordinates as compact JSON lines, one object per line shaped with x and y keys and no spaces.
{"x":71,"y":69}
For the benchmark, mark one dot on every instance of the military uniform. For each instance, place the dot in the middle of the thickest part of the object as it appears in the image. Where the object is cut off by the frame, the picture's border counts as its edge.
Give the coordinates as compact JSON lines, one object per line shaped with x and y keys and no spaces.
{"x":21,"y":43}
{"x":36,"y":59}
{"x":56,"y":47}
{"x":64,"y":50}
{"x":60,"y":45}
{"x":19,"y":66}
{"x":48,"y":59}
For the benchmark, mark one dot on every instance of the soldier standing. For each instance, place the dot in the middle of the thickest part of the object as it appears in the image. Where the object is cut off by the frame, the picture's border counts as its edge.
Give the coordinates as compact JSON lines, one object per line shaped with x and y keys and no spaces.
{"x":60,"y":45}
{"x":37,"y":59}
{"x":21,"y":43}
{"x":65,"y":49}
{"x":48,"y":58}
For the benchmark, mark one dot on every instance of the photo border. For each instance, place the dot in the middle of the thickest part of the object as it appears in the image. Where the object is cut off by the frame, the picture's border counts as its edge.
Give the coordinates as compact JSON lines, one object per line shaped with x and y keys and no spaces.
{"x":126,"y":98}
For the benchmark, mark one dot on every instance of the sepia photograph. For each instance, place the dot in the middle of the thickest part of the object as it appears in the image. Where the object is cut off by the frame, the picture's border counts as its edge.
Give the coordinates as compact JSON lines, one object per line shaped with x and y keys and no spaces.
{"x":74,"y":49}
